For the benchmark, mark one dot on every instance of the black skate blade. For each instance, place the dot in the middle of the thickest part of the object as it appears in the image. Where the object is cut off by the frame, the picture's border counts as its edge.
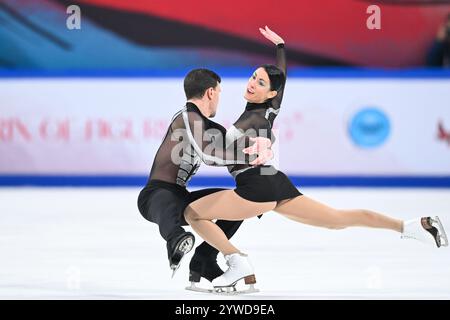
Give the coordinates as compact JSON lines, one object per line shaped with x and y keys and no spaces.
{"x":174,"y":270}
{"x":183,"y":248}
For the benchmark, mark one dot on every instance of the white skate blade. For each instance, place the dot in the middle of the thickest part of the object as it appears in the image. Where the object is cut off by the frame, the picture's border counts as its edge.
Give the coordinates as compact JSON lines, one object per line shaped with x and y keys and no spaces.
{"x":223,"y":291}
{"x":232,"y":291}
{"x":436,"y":222}
{"x":193,"y":287}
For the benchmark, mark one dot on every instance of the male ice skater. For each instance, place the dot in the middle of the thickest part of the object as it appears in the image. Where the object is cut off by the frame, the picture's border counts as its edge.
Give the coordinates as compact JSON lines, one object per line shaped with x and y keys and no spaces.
{"x":191,"y":139}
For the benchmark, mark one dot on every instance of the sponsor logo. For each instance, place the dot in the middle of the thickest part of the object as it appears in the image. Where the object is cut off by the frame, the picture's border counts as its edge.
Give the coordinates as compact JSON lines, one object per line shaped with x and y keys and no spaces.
{"x":369,"y":128}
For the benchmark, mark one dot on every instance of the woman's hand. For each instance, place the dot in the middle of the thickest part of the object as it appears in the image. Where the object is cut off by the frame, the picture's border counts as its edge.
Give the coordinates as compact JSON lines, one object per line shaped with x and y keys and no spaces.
{"x":261,"y":147}
{"x":260,"y":144}
{"x":272,"y":36}
{"x":263,"y":157}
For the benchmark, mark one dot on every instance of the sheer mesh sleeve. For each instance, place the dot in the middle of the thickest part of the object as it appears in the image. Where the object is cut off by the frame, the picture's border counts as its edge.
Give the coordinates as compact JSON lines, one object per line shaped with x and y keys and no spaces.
{"x":281,"y":63}
{"x":251,"y":124}
{"x":254,"y":124}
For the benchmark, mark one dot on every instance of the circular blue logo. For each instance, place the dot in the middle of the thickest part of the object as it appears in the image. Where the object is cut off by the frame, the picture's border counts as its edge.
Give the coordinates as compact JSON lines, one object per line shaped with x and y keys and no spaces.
{"x":369,"y":128}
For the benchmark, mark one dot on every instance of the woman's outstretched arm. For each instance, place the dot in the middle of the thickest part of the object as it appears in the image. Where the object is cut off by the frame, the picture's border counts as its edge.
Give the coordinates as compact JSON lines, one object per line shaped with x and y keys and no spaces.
{"x":281,"y":61}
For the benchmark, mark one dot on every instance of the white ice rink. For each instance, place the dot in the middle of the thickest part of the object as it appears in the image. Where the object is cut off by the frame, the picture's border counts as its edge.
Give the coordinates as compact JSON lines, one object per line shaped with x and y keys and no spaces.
{"x":93,"y":244}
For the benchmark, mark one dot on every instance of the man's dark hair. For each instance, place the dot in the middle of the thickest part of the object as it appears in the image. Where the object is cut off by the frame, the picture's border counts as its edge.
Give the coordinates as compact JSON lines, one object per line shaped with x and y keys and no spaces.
{"x":197,"y":81}
{"x":276,"y":76}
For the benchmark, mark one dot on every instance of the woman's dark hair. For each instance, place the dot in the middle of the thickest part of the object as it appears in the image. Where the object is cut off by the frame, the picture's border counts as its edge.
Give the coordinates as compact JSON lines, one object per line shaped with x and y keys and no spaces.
{"x":197,"y":81}
{"x":276,"y":76}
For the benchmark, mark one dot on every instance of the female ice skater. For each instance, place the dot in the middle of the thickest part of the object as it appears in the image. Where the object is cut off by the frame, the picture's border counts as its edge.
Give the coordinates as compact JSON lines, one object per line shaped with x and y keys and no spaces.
{"x":261,"y":189}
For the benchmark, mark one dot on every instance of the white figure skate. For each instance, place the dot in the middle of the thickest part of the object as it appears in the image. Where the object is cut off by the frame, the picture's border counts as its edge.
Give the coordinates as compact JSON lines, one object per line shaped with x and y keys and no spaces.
{"x":426,"y":229}
{"x":239,"y":268}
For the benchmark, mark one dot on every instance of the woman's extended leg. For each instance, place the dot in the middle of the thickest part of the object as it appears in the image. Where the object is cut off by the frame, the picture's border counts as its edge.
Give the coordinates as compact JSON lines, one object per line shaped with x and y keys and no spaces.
{"x":309,"y":211}
{"x":225,"y":205}
{"x":306,"y":210}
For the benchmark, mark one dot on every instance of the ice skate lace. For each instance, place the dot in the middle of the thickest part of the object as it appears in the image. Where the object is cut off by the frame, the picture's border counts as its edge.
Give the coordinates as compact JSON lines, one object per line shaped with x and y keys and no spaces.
{"x":231,"y":264}
{"x":411,"y":236}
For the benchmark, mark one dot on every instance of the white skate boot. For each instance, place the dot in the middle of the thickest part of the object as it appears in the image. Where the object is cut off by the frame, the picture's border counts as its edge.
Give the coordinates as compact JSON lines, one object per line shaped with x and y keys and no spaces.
{"x":239,"y":268}
{"x":426,"y":229}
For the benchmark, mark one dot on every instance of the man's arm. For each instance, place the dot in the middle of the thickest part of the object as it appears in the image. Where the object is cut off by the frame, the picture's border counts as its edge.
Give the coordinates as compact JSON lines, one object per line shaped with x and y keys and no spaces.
{"x":211,"y":146}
